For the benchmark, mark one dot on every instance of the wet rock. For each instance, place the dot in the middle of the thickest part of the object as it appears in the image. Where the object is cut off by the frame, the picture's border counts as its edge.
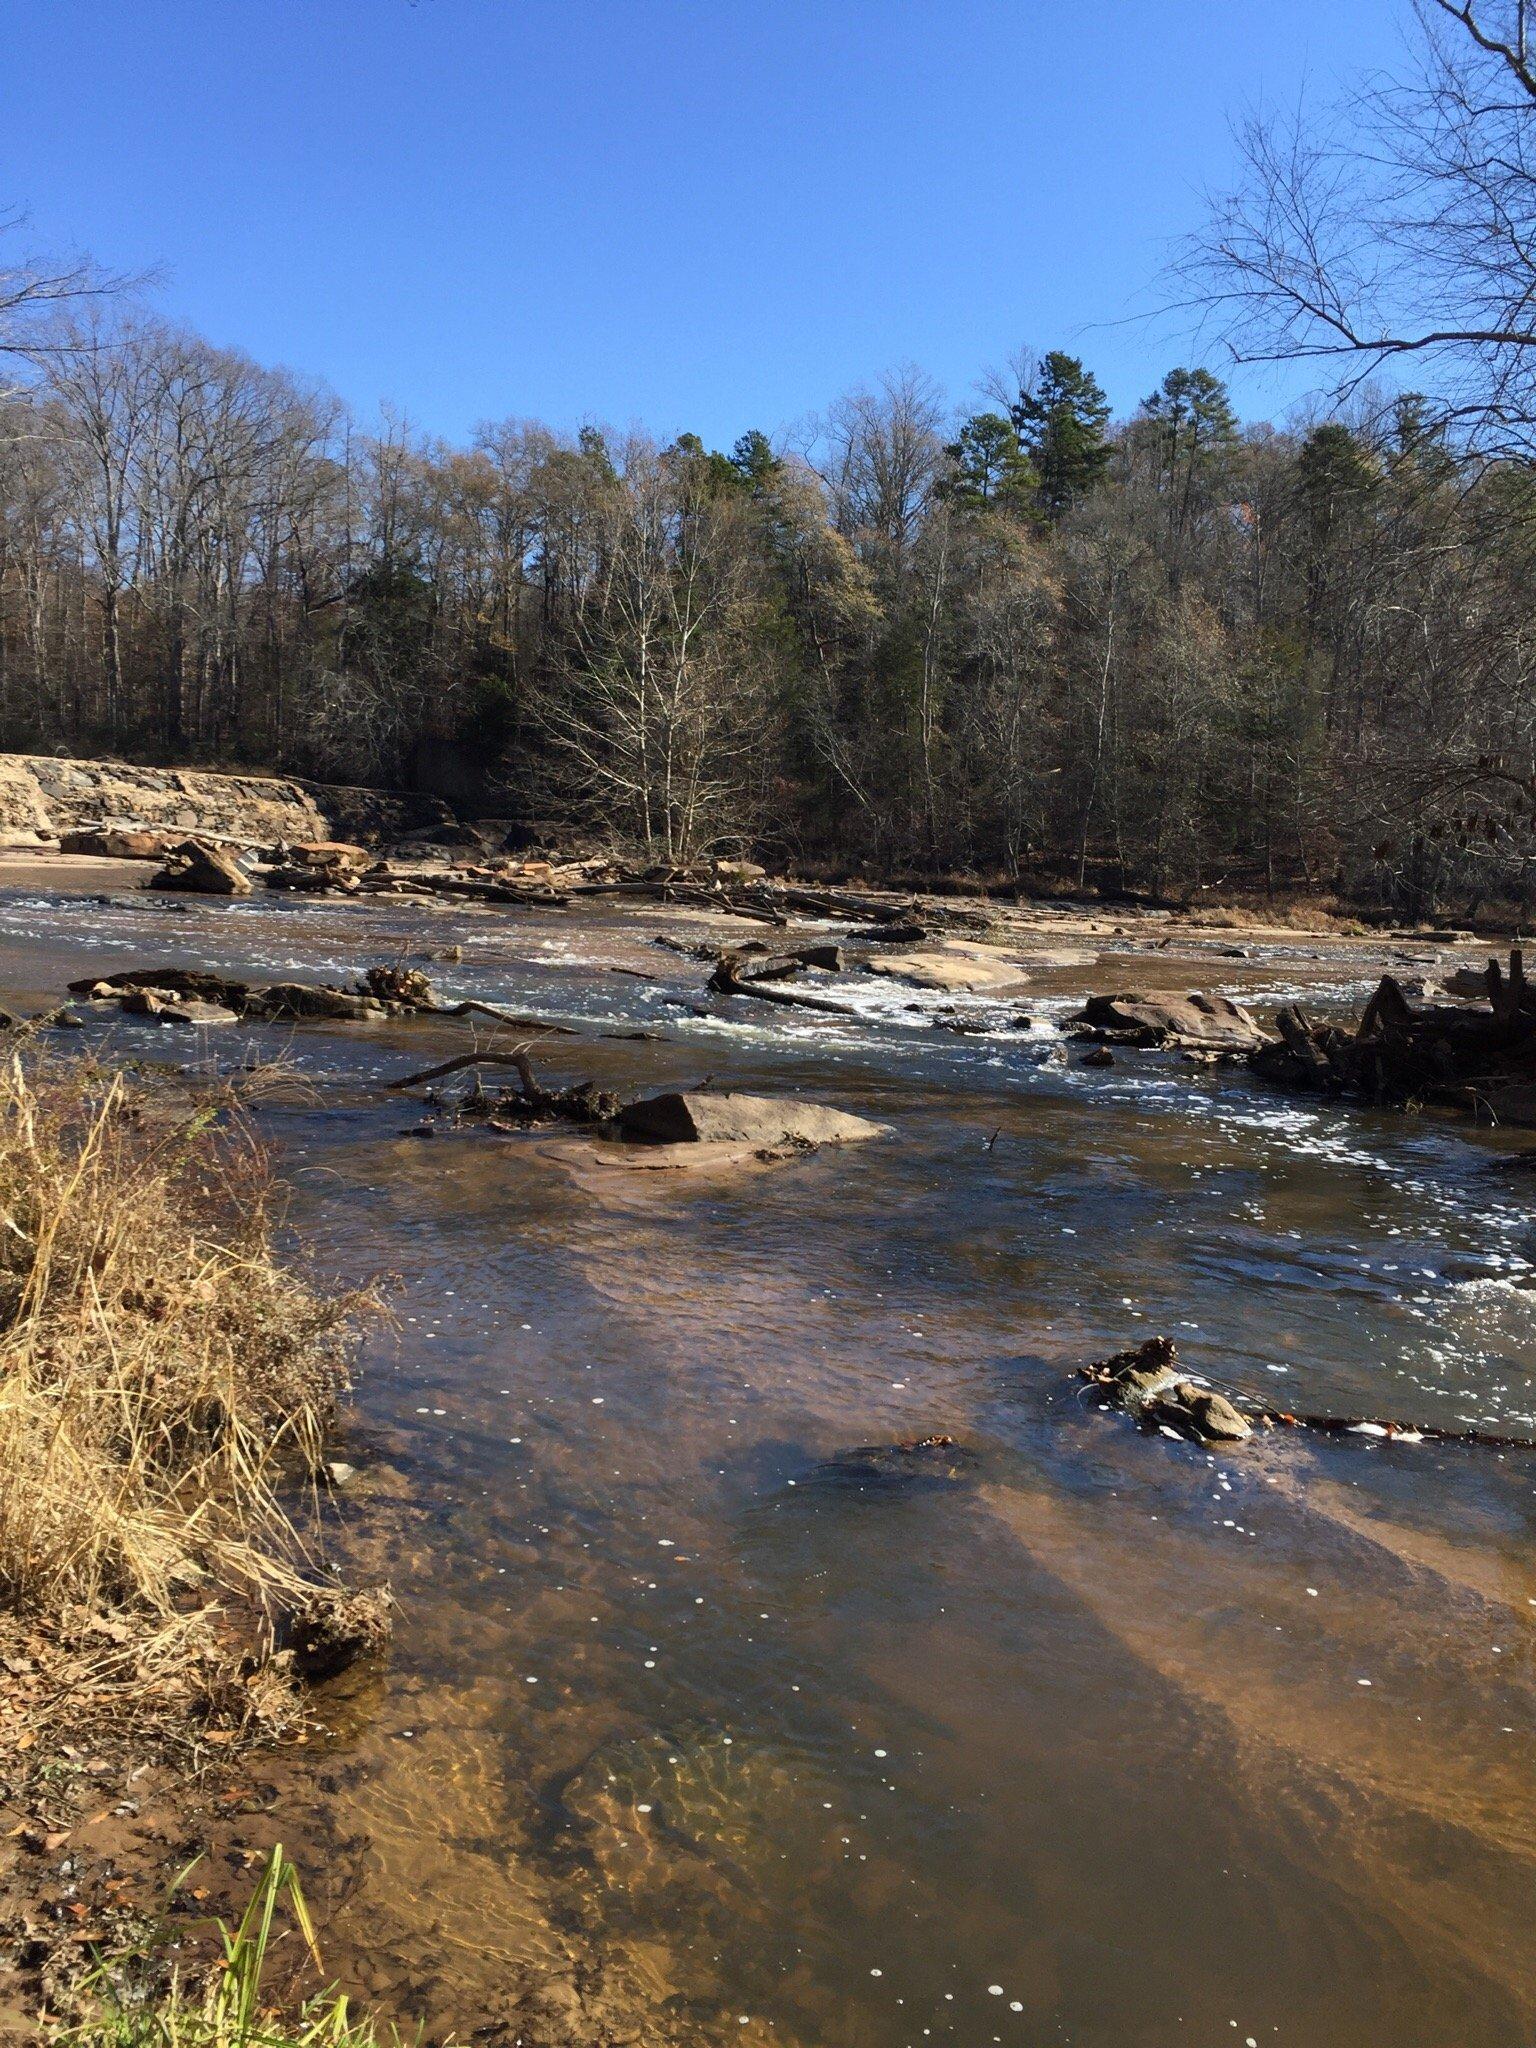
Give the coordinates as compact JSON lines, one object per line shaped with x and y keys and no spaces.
{"x":1212,"y":1415}
{"x":171,"y":1008}
{"x":202,"y":870}
{"x":1098,"y":1056}
{"x":1212,"y":1023}
{"x":753,"y":1120}
{"x":1150,"y":1386}
{"x":169,"y":984}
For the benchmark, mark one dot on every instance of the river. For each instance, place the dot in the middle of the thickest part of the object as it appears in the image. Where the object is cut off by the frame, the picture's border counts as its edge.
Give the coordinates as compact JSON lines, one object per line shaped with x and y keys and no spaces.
{"x":1102,"y":1739}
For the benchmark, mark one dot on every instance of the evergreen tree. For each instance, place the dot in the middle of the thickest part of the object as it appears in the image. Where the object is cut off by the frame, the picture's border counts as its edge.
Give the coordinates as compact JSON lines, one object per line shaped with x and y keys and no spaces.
{"x":755,"y":462}
{"x":989,"y":467}
{"x":1060,"y":423}
{"x":1193,"y":433}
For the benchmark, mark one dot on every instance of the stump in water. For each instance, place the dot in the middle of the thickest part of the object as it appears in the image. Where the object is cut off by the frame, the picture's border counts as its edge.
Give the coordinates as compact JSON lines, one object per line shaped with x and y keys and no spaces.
{"x":1482,"y":1059}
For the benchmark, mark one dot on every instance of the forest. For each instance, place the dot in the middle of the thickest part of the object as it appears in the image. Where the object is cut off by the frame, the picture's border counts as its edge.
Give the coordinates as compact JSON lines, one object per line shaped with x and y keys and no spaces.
{"x":1163,"y":653}
{"x":1021,"y":639}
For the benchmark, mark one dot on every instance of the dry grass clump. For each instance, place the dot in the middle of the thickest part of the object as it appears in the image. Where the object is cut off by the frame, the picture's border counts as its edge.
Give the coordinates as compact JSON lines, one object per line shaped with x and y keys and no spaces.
{"x":161,"y":1378}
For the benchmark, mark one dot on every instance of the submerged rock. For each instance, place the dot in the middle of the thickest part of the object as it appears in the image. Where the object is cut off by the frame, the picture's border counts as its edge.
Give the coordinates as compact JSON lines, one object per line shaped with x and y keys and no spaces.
{"x":170,"y":1008}
{"x":753,"y":1120}
{"x":910,"y":1462}
{"x":332,"y":1630}
{"x":723,"y":1808}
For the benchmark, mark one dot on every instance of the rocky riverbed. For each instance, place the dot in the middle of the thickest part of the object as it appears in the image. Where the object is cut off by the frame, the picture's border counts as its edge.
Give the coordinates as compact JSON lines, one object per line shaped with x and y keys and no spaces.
{"x":717,"y":1707}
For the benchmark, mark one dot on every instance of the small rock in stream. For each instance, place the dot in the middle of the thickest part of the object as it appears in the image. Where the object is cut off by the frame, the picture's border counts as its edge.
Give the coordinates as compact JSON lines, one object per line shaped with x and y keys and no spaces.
{"x":1150,"y":1387}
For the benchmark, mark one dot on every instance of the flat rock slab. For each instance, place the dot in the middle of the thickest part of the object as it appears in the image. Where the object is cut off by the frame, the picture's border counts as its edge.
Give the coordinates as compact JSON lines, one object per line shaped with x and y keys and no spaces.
{"x":763,"y":1122}
{"x":958,"y":964}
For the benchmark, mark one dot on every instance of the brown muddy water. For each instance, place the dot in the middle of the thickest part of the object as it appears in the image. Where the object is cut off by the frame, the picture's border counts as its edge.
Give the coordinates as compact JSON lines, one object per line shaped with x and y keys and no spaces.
{"x":1104,"y":1740}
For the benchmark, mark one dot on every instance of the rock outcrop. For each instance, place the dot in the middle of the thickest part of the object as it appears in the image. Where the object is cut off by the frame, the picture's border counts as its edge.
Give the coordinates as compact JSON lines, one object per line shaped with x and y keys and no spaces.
{"x":956,"y":965}
{"x":45,"y":798}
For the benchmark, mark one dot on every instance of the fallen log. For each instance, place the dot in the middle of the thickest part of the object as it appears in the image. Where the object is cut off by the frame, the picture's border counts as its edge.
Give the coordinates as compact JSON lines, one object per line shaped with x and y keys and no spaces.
{"x":697,"y":893}
{"x":475,"y":890}
{"x":730,"y":978}
{"x":465,"y":1060}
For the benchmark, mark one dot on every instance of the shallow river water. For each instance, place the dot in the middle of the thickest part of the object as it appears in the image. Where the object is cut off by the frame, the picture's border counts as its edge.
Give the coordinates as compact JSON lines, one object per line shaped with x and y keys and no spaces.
{"x":1104,"y":1739}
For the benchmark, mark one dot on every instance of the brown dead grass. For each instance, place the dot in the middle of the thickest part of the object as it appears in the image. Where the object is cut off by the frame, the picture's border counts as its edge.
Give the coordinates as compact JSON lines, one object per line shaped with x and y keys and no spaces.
{"x":162,"y":1383}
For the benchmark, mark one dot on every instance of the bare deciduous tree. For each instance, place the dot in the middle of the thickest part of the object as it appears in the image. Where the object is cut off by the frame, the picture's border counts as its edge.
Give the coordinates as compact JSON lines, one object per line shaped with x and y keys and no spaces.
{"x":1398,"y":230}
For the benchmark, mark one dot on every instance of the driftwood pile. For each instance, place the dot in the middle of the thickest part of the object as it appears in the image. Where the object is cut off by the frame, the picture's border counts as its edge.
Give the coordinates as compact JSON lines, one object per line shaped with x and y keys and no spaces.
{"x":1479,"y":1056}
{"x":520,"y":1108}
{"x":478,"y":875}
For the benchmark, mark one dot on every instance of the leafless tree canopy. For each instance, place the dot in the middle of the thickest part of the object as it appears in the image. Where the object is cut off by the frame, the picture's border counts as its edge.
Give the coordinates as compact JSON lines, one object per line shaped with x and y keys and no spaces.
{"x":1397,"y":230}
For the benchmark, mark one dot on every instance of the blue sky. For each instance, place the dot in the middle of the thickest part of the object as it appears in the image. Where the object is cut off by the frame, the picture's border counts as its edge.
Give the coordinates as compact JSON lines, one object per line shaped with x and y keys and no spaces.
{"x":705,"y":216}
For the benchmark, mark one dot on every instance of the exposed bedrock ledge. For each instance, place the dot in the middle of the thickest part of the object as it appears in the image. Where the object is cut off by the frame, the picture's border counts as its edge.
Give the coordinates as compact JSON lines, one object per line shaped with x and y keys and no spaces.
{"x":43,"y":796}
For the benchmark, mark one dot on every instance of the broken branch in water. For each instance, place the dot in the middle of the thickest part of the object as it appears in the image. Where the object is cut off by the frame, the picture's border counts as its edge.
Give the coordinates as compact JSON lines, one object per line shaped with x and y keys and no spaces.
{"x":1149,"y":1384}
{"x":585,"y":1103}
{"x":470,"y":1007}
{"x":517,"y":1058}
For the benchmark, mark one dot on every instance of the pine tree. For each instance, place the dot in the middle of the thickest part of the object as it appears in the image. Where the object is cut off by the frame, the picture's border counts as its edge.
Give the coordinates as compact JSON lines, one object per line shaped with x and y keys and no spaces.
{"x":988,"y":466}
{"x":1060,"y":424}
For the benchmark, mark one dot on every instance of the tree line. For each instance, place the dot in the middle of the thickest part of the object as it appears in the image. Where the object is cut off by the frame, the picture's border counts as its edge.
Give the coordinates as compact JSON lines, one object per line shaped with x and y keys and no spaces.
{"x":1167,"y":652}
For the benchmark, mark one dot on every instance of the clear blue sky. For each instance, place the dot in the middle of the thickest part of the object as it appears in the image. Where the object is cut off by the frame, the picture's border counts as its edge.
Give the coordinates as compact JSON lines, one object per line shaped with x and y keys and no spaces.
{"x":706,"y":216}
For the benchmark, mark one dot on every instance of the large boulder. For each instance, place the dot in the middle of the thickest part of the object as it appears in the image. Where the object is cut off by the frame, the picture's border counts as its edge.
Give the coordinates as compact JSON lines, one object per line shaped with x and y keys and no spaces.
{"x":765,"y":1121}
{"x":116,"y":843}
{"x":1214,"y":1023}
{"x":204,"y":870}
